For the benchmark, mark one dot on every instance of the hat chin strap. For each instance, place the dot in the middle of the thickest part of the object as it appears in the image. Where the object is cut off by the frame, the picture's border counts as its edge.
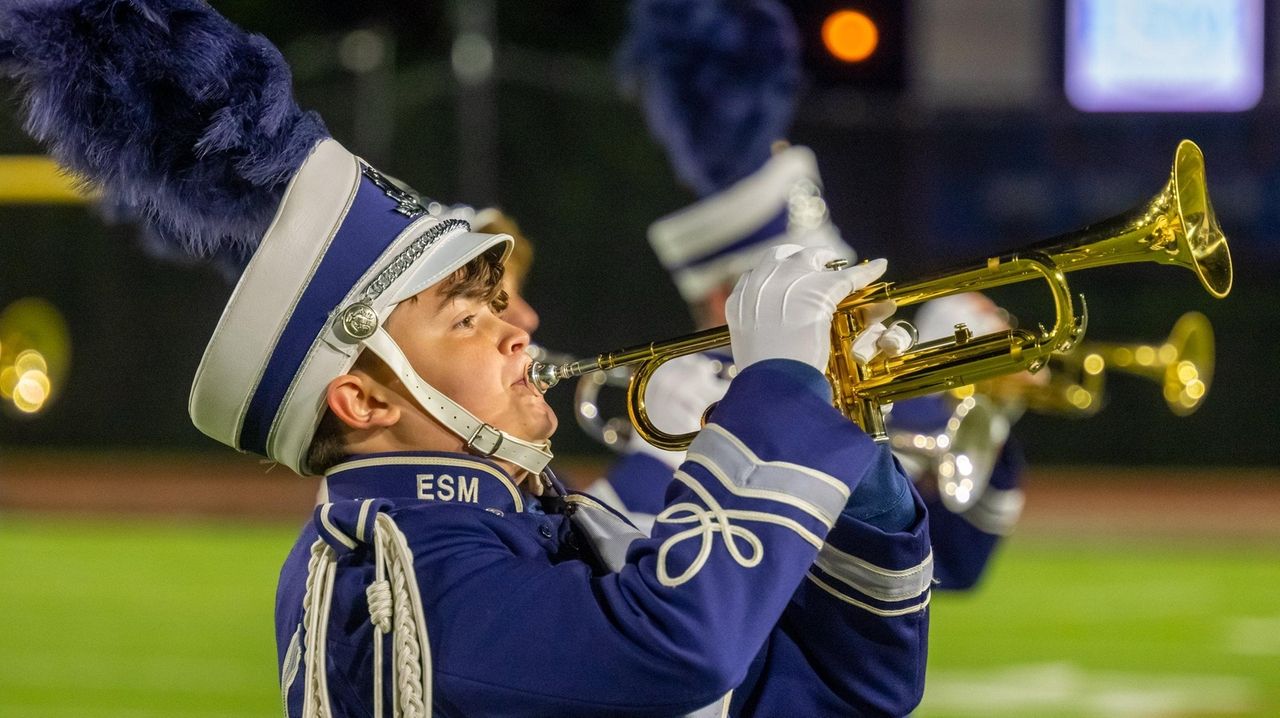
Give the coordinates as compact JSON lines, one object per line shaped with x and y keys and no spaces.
{"x":481,"y":438}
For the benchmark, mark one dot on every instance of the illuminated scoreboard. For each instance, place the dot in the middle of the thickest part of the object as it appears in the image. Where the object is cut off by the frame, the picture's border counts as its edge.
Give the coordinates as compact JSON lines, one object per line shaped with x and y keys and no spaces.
{"x":1164,"y":55}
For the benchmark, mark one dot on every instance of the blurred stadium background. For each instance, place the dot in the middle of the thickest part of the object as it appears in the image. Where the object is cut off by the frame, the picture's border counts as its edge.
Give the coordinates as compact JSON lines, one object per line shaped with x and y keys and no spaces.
{"x":140,"y":559}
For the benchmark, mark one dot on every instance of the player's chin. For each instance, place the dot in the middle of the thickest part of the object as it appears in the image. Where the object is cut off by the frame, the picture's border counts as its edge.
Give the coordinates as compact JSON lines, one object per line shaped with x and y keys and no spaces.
{"x":536,"y":421}
{"x":547,"y":422}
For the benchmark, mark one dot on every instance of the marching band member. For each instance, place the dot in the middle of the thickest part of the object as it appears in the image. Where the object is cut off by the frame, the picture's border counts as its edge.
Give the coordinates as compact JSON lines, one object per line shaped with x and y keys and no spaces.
{"x":365,"y":340}
{"x":706,"y":247}
{"x":718,"y":87}
{"x":965,"y":537}
{"x":680,"y":391}
{"x":492,"y":220}
{"x":750,"y":201}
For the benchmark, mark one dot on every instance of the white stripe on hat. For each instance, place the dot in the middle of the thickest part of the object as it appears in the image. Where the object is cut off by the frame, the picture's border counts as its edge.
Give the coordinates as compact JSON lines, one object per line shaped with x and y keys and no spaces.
{"x":711,"y":242}
{"x":263,"y":300}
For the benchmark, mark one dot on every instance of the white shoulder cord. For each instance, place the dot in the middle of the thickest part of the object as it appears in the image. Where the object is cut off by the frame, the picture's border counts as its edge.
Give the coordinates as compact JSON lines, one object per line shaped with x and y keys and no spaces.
{"x":395,"y":607}
{"x":316,"y":601}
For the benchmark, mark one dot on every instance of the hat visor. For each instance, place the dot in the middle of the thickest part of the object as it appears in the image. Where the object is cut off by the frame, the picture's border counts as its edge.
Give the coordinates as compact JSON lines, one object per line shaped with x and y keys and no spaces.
{"x":443,"y":259}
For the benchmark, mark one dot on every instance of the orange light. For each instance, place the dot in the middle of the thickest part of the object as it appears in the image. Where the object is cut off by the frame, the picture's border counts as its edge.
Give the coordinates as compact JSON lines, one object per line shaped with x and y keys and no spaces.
{"x":850,"y":36}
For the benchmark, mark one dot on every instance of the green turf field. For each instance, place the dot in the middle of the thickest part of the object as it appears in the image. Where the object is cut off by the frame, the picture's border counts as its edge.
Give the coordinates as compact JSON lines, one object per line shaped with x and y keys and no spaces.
{"x":154,"y":618}
{"x":1094,"y":628}
{"x":138,"y":619}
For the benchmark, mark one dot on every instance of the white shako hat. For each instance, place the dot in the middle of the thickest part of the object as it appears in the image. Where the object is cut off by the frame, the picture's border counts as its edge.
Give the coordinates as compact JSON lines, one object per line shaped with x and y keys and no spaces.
{"x":713,"y":241}
{"x":345,"y":247}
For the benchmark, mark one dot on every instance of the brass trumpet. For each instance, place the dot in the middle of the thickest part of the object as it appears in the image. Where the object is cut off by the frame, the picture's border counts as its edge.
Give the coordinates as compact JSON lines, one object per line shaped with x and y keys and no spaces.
{"x":1182,"y":364}
{"x":1177,"y":226}
{"x":612,"y":432}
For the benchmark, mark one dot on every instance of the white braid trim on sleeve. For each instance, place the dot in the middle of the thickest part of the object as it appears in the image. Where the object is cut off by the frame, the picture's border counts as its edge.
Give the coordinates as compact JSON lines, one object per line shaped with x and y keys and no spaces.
{"x":395,"y":607}
{"x":315,"y":621}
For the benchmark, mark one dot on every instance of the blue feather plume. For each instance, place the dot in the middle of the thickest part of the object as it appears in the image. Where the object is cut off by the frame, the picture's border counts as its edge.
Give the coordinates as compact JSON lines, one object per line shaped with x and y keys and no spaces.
{"x":167,"y":108}
{"x":718,"y":81}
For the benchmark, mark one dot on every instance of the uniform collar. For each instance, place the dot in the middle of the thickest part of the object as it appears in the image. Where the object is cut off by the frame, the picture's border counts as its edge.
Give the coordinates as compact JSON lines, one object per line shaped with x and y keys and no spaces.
{"x":425,"y":477}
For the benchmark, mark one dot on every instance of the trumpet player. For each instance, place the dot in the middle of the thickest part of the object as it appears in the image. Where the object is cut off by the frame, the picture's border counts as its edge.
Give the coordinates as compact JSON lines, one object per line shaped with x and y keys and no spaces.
{"x":734,"y":228}
{"x":718,"y":85}
{"x":365,"y":341}
{"x":965,"y":532}
{"x":753,"y":196}
{"x":519,"y":312}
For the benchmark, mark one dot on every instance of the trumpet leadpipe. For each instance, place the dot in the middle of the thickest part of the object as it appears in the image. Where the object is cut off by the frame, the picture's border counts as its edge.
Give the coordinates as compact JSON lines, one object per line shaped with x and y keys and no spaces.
{"x":545,"y":376}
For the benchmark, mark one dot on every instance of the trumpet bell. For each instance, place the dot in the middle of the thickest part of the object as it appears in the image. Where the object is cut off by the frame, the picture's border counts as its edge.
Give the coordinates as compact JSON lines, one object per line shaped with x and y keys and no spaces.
{"x":613,"y":432}
{"x":1182,"y":363}
{"x":1187,"y":378}
{"x":1177,"y":226}
{"x":978,"y":431}
{"x":1203,"y":246}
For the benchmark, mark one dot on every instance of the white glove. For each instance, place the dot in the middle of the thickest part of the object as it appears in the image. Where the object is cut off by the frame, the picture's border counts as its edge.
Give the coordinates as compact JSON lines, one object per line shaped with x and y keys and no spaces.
{"x":680,"y":391}
{"x":782,"y":308}
{"x":877,"y":338}
{"x":678,"y":395}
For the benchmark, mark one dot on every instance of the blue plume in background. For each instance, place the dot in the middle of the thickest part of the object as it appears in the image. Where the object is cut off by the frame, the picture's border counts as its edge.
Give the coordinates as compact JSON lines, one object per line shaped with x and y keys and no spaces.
{"x":170,"y":110}
{"x":718,"y":81}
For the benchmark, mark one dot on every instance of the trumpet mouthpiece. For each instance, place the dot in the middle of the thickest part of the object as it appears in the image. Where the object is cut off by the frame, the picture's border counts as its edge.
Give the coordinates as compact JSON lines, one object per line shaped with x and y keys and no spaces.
{"x":543,"y":376}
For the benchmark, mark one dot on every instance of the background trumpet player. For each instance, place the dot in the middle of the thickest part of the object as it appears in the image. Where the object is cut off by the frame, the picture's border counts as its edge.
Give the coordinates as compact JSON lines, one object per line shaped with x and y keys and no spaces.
{"x":968,"y":527}
{"x":754,"y":197}
{"x":959,"y":446}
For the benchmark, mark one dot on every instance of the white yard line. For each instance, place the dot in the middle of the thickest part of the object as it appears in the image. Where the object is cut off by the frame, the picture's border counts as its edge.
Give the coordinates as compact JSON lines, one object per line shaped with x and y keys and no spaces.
{"x":1065,"y":689}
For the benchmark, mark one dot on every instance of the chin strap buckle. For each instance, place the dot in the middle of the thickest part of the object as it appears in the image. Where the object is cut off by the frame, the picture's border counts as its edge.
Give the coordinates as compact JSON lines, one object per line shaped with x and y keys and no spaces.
{"x":497,"y":444}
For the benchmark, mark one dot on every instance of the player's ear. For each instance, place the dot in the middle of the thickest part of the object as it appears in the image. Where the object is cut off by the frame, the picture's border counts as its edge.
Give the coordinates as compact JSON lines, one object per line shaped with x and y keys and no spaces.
{"x":360,"y":402}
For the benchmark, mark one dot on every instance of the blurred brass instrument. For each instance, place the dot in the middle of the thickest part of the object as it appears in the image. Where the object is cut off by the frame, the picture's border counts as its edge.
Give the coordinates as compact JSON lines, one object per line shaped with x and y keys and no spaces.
{"x":1182,"y":364}
{"x":962,"y":456}
{"x":611,"y":431}
{"x":615,"y":431}
{"x":1177,"y":226}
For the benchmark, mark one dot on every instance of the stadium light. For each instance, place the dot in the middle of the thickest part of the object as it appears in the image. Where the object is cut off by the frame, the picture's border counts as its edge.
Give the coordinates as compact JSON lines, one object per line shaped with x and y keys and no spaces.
{"x":857,"y":45}
{"x":35,"y":355}
{"x":850,"y":36}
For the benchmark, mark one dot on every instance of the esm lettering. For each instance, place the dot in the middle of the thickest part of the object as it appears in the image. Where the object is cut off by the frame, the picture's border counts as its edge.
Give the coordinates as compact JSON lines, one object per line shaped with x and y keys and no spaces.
{"x":448,"y":488}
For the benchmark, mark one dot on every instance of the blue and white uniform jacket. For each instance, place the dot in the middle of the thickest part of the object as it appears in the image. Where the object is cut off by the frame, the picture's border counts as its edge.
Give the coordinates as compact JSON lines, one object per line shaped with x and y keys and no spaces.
{"x":964,"y":543}
{"x":755,"y":595}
